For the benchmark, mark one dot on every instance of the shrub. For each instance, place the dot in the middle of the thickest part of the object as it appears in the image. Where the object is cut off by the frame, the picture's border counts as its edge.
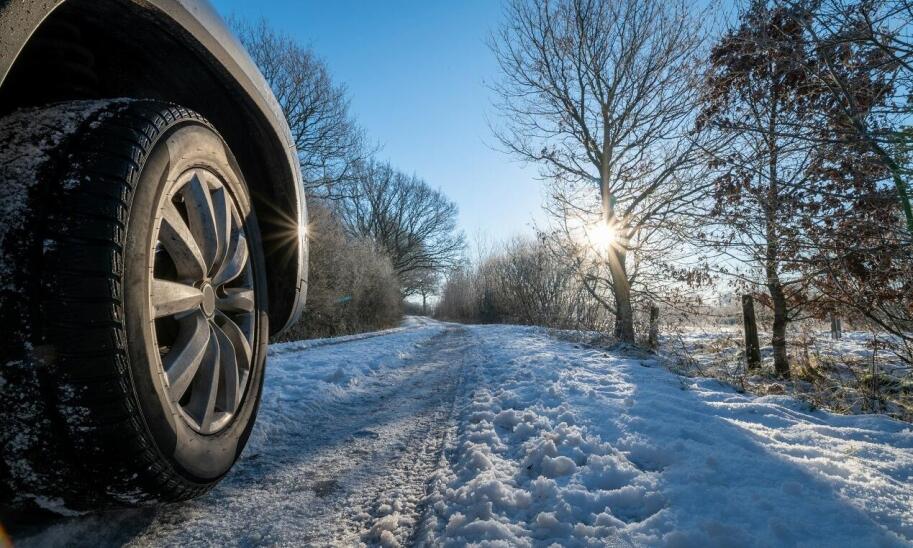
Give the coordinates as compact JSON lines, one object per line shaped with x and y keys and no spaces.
{"x":351,"y":283}
{"x":522,"y":283}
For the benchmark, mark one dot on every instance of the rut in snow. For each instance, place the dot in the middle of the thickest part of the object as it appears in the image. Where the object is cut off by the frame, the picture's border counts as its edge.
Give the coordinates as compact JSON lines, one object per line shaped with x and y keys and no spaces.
{"x":325,"y":468}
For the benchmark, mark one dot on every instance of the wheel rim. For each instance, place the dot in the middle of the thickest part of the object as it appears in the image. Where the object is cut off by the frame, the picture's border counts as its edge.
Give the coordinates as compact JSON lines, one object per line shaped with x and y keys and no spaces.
{"x":202,"y":301}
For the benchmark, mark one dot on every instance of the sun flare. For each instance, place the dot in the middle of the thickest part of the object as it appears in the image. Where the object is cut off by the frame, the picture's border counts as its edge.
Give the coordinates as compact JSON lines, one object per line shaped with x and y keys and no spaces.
{"x":601,"y":235}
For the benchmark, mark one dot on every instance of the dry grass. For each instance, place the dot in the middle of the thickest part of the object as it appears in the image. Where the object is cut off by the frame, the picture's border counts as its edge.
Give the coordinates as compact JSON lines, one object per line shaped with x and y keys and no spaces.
{"x":869,"y":379}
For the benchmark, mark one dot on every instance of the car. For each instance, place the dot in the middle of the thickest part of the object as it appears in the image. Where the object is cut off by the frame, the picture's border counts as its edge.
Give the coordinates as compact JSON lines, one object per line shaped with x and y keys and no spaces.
{"x":152,"y":239}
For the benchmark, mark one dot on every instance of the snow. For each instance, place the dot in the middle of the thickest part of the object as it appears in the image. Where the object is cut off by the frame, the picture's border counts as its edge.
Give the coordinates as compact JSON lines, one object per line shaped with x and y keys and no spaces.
{"x":589,"y":448}
{"x":441,"y":434}
{"x":703,"y":343}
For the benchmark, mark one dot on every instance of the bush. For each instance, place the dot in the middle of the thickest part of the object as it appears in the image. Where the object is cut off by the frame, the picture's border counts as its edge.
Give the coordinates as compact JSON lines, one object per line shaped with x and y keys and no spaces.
{"x":351,"y":283}
{"x":523,"y":283}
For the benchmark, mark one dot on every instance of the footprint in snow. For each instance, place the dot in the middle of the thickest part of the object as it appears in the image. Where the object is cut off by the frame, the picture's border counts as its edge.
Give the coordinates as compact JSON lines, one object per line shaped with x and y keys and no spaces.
{"x":325,"y":488}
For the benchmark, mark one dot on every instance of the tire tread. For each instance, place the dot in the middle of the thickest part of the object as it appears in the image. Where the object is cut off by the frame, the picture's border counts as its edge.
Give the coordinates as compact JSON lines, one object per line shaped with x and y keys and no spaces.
{"x":91,"y":406}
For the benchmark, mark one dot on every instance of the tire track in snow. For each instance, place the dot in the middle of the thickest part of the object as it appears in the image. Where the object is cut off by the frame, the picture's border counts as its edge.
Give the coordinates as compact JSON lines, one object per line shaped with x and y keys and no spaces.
{"x":352,"y":471}
{"x":415,"y":323}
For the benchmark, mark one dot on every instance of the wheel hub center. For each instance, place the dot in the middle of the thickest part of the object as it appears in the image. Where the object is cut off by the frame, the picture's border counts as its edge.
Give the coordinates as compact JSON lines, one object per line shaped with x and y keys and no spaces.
{"x":209,"y":299}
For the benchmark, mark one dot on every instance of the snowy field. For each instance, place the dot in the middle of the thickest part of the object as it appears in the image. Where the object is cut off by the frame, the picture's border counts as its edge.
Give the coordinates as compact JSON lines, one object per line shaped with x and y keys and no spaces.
{"x":441,"y":434}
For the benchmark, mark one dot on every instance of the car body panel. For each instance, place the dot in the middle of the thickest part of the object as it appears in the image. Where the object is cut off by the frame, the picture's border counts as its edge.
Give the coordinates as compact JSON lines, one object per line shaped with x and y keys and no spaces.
{"x":196,"y":19}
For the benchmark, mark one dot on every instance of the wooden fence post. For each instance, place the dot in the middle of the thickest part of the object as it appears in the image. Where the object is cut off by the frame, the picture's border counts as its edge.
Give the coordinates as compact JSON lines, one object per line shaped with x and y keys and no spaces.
{"x":653,"y":339}
{"x":750,"y":324}
{"x":836,"y":328}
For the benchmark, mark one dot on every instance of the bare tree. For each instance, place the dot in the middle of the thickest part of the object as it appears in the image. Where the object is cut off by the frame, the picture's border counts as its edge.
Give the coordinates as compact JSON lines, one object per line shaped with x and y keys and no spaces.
{"x":532,"y":286}
{"x":414,"y":223}
{"x":523,"y":282}
{"x":329,"y":141}
{"x":427,"y":284}
{"x":601,"y":95}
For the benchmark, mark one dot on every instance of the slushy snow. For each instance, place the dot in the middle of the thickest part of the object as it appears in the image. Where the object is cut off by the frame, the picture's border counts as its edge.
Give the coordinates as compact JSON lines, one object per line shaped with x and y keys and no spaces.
{"x":441,"y":434}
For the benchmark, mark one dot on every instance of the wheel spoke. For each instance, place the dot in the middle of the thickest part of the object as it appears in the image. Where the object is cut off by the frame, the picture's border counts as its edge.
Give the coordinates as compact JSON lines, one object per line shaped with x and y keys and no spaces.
{"x":236,"y":300}
{"x":205,"y":385}
{"x":177,"y":239}
{"x":183,"y":361}
{"x":238,"y":340}
{"x":237,"y":260}
{"x":229,"y":391}
{"x":208,"y":339}
{"x":170,"y":298}
{"x":202,"y":219}
{"x":221,"y":203}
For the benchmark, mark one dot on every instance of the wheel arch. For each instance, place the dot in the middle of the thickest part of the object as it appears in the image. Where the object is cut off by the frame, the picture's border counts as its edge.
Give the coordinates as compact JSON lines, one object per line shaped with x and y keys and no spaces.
{"x":177,"y":51}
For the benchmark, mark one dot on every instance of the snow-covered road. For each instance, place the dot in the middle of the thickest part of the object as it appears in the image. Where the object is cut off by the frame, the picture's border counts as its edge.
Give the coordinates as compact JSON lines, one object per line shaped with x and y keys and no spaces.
{"x":444,"y":434}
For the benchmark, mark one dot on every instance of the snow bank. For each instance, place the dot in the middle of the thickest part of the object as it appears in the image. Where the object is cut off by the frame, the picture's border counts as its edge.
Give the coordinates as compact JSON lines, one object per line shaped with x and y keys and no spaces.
{"x":832,"y":374}
{"x":561,"y":444}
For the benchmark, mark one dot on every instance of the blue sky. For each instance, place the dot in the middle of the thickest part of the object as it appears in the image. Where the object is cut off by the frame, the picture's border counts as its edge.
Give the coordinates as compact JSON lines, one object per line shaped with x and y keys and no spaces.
{"x":416,"y":73}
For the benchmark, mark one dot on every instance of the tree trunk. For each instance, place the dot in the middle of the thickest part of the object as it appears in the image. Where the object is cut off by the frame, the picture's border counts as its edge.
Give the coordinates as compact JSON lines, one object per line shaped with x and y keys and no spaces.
{"x":772,"y":256}
{"x":778,"y":340}
{"x":624,"y":313}
{"x":653,"y":339}
{"x":750,"y":325}
{"x":424,"y":307}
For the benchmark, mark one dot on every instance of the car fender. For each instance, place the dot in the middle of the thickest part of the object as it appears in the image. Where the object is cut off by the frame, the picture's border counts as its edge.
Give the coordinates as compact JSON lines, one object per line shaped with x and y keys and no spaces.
{"x":203,"y":30}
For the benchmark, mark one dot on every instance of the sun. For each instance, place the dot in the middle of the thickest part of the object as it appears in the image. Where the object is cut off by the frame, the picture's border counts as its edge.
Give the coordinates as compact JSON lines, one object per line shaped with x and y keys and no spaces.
{"x":601,"y":235}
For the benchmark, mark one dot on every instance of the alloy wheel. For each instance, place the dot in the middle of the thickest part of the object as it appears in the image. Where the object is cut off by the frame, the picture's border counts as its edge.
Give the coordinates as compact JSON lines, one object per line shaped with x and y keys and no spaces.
{"x":202,"y":301}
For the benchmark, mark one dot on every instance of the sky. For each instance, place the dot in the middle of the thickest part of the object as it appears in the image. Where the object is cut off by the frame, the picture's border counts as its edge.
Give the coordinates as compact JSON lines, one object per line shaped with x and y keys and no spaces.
{"x":417,"y":74}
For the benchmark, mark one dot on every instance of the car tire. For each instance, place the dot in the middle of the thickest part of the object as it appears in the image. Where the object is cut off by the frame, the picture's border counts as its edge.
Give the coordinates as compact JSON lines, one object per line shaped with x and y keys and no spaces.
{"x":132,"y":290}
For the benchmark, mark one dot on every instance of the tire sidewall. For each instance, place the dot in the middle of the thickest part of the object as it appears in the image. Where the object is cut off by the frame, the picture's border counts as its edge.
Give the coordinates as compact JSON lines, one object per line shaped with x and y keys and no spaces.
{"x":198,"y":458}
